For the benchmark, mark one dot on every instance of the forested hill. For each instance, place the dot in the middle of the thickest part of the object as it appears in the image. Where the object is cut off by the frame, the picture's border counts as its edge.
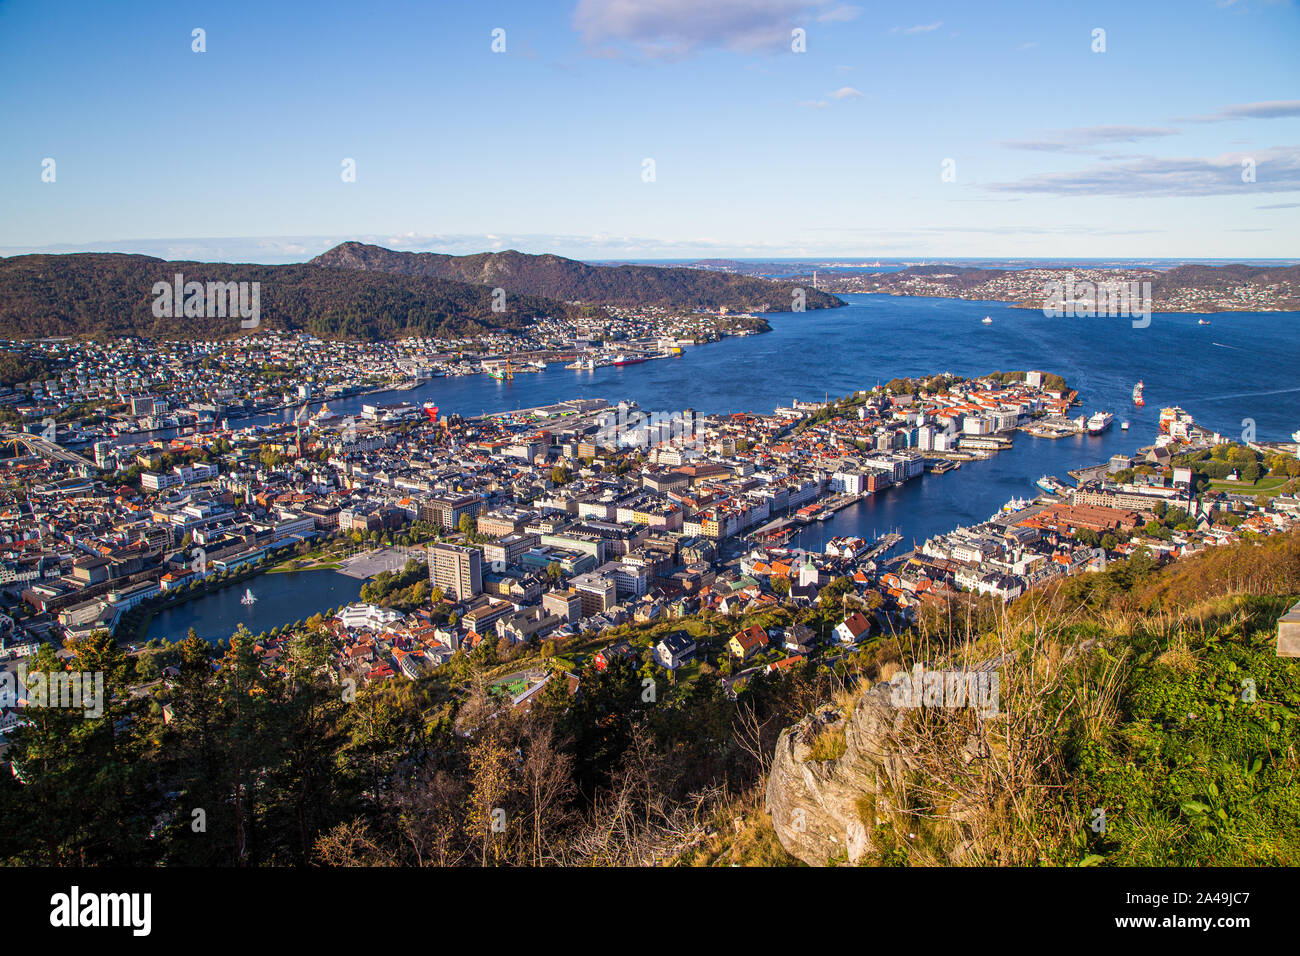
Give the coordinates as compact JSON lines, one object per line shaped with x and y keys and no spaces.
{"x":568,"y":280}
{"x":112,"y":293}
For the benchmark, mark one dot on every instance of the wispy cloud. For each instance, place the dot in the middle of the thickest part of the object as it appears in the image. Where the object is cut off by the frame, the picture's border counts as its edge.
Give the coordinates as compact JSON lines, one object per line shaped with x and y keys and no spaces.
{"x":847,"y":93}
{"x":814,"y":104}
{"x":1265,"y":109}
{"x":1028,"y":46}
{"x":1281,"y":205}
{"x":919,"y":28}
{"x":1084,"y":139}
{"x":1275,"y":170}
{"x":671,"y":29}
{"x":841,"y":14}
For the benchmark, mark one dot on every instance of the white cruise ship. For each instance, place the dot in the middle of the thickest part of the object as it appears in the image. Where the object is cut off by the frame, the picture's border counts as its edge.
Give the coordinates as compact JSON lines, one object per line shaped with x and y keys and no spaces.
{"x":1099,"y":422}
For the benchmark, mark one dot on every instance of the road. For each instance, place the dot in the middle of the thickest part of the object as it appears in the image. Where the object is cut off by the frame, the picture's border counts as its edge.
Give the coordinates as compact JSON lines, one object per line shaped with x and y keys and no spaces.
{"x":47,"y":449}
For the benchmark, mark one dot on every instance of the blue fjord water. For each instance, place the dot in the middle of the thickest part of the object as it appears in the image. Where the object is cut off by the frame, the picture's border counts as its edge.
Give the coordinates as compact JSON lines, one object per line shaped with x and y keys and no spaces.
{"x":1241,"y":366}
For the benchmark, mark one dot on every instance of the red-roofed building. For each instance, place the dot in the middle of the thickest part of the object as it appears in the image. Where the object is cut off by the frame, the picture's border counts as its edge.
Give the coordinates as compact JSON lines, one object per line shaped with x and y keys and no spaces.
{"x":853,"y":628}
{"x":748,"y":642}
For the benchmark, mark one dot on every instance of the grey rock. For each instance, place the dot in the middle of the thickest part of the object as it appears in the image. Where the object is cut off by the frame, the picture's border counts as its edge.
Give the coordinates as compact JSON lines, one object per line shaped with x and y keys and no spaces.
{"x":825,"y":810}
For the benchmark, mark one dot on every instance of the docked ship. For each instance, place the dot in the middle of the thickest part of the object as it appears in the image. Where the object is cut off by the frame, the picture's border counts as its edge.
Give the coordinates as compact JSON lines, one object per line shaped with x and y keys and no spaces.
{"x":622,"y":360}
{"x":325,"y":415}
{"x":1137,"y":394}
{"x":1099,"y":422}
{"x":431,"y":410}
{"x":1052,"y":485}
{"x":1014,"y":505}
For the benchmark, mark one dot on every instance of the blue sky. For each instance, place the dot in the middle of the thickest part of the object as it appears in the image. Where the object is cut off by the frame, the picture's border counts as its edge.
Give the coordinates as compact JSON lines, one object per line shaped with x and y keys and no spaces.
{"x":236,"y":153}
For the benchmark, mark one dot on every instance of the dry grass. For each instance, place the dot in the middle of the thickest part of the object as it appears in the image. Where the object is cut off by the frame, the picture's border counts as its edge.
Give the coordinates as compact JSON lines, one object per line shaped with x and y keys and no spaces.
{"x":847,"y":697}
{"x":1178,"y":659}
{"x":742,"y":835}
{"x":829,"y":744}
{"x":980,"y":788}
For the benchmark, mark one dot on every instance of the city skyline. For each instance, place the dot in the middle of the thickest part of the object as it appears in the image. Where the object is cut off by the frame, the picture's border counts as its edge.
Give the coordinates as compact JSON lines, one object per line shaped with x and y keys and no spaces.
{"x":1058,"y":148}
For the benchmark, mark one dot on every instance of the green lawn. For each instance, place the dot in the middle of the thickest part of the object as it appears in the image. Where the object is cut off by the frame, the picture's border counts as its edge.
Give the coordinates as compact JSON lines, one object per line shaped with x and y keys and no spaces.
{"x":1265,"y":486}
{"x":287,"y":566}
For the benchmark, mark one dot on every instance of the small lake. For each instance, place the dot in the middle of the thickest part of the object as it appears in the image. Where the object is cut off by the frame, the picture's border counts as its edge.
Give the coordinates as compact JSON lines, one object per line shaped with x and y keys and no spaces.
{"x":281,"y":599}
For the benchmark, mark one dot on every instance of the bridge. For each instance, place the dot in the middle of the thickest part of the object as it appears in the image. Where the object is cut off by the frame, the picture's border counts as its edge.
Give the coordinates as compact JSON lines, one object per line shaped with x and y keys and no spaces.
{"x":37,"y":445}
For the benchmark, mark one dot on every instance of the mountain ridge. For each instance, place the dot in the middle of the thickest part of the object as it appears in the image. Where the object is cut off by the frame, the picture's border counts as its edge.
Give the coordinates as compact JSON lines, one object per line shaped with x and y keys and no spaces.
{"x":112,"y":293}
{"x":570,"y":280}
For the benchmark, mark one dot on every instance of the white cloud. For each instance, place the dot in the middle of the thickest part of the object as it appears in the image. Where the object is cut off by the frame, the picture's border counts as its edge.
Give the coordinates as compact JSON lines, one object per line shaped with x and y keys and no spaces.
{"x":840,"y":14}
{"x":847,"y":92}
{"x":1275,"y":170}
{"x":1265,"y":109}
{"x":919,"y":28}
{"x":1083,"y":139}
{"x":675,"y":28}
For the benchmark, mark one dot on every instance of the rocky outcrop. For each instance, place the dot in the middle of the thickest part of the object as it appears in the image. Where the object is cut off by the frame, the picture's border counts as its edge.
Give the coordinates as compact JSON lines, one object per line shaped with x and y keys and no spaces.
{"x":825,"y":810}
{"x":826,"y":801}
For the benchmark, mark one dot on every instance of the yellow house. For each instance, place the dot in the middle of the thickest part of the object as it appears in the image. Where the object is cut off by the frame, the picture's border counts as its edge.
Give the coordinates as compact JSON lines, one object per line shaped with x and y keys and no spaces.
{"x":745,"y":644}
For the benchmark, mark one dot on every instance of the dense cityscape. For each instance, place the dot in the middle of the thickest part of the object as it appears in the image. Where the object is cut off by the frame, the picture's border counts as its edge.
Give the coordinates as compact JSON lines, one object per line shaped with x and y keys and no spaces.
{"x":542,"y":530}
{"x":685,"y":439}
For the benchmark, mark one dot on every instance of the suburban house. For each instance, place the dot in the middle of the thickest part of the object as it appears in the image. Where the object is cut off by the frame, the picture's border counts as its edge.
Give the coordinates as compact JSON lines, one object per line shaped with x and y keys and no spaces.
{"x":800,"y":639}
{"x":853,"y":628}
{"x":675,"y":650}
{"x":745,"y":644}
{"x":618,"y":649}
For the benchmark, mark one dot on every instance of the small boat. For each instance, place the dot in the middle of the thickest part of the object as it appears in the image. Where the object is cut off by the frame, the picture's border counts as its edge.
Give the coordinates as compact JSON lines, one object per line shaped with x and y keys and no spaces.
{"x":987,"y":320}
{"x":1123,"y":426}
{"x":1137,"y":394}
{"x":1202,"y":321}
{"x":1099,"y":422}
{"x":249,"y":598}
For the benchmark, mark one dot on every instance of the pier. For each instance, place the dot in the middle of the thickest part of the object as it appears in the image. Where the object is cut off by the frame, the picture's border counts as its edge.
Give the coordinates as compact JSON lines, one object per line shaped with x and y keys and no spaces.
{"x":881,"y":546}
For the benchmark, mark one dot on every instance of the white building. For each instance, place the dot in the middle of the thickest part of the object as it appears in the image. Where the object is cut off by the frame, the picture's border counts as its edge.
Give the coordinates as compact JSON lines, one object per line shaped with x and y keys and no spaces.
{"x":369,"y":616}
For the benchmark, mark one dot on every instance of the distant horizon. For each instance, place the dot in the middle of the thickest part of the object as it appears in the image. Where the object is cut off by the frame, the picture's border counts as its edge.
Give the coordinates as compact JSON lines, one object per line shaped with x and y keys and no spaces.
{"x":306,"y":248}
